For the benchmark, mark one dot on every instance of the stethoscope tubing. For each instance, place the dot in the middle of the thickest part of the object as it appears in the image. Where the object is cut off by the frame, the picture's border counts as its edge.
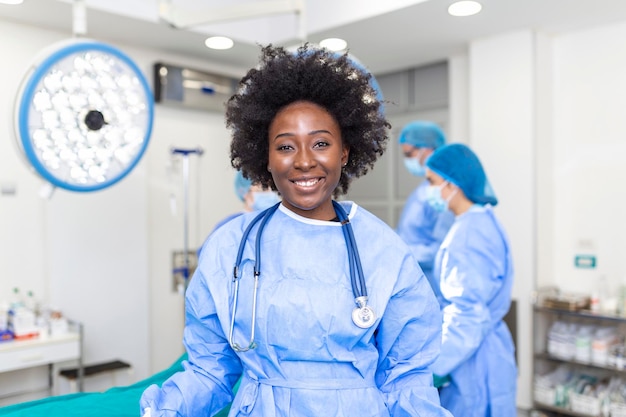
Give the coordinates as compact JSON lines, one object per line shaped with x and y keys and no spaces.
{"x":264,"y":216}
{"x":353,"y":252}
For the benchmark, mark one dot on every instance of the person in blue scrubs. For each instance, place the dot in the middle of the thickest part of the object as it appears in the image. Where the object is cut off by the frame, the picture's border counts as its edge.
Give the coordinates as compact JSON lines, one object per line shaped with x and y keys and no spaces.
{"x":476,"y":369}
{"x":420,"y":226}
{"x":253,"y":196}
{"x":306,"y":124}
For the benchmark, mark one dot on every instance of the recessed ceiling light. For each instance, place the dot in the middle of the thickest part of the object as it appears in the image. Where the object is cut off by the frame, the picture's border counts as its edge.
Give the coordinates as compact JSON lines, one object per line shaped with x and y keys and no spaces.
{"x":464,"y":8}
{"x":11,"y":1}
{"x":219,"y":42}
{"x":334,"y":44}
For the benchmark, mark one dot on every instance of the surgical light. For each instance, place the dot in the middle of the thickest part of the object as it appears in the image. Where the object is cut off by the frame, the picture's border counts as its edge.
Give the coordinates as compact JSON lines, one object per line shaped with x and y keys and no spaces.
{"x":84,"y":115}
{"x":465,"y":8}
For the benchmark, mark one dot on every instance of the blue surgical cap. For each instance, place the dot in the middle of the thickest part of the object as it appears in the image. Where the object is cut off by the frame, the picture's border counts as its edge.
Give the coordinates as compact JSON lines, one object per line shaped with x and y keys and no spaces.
{"x":456,"y":163}
{"x":242,"y":185}
{"x":422,"y":134}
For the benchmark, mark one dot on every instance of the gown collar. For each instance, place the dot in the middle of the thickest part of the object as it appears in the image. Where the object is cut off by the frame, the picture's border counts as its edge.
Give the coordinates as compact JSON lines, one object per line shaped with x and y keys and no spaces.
{"x":301,"y":219}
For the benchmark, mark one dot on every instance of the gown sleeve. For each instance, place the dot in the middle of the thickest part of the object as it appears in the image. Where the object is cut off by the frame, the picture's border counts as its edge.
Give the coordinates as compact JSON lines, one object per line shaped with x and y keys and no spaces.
{"x":205,"y":386}
{"x":408,"y":340}
{"x":469,"y":279}
{"x":423,"y":228}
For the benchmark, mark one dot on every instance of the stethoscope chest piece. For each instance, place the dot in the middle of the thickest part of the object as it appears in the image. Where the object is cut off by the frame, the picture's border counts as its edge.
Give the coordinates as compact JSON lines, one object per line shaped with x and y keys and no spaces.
{"x":363,"y":316}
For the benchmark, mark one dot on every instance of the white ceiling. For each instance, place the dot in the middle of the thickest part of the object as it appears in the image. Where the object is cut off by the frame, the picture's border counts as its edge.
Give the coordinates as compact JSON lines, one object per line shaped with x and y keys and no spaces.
{"x":384,"y":35}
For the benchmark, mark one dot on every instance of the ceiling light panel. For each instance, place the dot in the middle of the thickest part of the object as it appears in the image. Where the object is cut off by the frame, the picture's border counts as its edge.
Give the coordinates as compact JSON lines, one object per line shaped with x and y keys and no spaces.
{"x":465,"y":8}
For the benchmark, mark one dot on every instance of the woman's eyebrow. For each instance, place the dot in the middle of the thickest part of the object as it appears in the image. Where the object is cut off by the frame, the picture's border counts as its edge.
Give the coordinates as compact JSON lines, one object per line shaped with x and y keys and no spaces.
{"x":311,"y":133}
{"x":315,"y":132}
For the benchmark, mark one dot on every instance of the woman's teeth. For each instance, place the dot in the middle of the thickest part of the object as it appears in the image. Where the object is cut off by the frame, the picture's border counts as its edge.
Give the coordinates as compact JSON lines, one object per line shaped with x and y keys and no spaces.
{"x":307,"y":183}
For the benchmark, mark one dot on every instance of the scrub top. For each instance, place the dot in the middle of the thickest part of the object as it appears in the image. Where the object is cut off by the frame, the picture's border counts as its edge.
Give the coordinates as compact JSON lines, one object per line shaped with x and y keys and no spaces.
{"x":423,"y":229}
{"x":475,"y":268}
{"x":311,"y":359}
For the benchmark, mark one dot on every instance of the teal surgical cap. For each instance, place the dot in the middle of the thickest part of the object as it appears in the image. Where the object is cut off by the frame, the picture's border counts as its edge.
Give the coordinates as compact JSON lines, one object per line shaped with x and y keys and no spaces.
{"x":242,"y":185}
{"x":422,"y":134}
{"x":456,"y":163}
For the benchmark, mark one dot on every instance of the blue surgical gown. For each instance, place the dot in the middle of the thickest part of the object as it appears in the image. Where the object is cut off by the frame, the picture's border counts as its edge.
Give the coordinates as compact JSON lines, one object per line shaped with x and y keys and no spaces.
{"x":311,"y":359}
{"x":476,"y":277}
{"x":423,"y":229}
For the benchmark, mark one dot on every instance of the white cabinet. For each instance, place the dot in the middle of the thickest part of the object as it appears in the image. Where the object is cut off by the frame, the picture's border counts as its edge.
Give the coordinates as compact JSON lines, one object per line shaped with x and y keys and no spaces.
{"x":23,"y":354}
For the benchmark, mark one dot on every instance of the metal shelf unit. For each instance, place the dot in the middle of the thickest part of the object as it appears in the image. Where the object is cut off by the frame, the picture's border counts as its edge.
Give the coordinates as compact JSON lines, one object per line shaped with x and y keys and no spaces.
{"x":543,"y":318}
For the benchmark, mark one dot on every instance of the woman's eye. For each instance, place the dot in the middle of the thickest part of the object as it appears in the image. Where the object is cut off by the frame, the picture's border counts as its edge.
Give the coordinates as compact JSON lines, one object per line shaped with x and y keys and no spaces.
{"x":283,"y":147}
{"x":321,"y":144}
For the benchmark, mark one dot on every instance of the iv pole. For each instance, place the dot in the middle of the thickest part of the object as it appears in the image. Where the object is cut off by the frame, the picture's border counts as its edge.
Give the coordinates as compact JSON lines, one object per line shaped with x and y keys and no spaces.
{"x":185,"y":154}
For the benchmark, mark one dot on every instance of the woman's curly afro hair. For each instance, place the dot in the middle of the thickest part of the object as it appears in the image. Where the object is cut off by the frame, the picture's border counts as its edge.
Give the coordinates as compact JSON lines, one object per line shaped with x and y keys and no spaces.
{"x":335,"y":82}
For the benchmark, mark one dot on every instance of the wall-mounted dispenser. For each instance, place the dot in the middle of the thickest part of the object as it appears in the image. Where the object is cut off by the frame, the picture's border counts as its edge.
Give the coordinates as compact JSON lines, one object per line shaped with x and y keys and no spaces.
{"x":185,"y":87}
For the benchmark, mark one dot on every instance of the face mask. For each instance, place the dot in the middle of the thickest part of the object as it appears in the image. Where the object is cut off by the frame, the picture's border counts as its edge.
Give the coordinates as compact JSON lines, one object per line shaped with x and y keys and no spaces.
{"x":414,"y":167}
{"x":264,"y":199}
{"x":434,"y":198}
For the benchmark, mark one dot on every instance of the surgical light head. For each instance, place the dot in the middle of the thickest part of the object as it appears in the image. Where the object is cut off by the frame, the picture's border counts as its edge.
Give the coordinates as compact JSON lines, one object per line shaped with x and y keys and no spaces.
{"x":459,"y":165}
{"x":422,"y":134}
{"x":83,"y":115}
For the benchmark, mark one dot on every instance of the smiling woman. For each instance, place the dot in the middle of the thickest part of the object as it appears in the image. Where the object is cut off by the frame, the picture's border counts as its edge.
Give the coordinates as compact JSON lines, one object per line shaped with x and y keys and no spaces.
{"x":338,"y":319}
{"x":342,"y":87}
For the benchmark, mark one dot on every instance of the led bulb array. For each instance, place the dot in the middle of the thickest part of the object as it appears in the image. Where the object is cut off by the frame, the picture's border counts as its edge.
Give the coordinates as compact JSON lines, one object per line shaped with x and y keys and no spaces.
{"x":85,"y":117}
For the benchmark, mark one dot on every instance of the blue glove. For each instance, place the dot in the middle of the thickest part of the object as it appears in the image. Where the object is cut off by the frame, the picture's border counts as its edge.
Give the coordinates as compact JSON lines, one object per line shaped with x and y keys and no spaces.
{"x":440,"y":381}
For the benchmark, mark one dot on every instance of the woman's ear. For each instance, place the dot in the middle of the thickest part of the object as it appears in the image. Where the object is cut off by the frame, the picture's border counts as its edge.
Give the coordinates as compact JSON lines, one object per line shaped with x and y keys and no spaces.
{"x":345,"y":154}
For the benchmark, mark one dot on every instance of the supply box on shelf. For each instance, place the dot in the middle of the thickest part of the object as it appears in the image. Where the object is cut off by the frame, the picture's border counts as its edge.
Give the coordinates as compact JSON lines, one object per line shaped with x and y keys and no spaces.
{"x":552,"y":297}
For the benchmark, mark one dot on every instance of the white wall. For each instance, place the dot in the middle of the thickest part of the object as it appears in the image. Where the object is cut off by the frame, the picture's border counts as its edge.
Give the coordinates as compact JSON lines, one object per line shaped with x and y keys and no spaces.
{"x":501,"y":126}
{"x":104,"y":258}
{"x":458,"y":92}
{"x":590,"y":150}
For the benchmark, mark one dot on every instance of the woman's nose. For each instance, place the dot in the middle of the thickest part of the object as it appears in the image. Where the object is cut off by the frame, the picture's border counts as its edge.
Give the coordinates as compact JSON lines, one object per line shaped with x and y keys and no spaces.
{"x":304,"y":159}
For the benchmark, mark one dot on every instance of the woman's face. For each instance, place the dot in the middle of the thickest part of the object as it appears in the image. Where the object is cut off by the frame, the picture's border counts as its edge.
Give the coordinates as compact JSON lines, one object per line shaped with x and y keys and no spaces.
{"x":306,"y":155}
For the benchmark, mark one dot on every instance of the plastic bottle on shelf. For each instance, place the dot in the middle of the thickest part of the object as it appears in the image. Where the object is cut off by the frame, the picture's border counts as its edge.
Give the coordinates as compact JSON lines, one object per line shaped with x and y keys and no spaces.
{"x":553,"y":339}
{"x":594,"y":302}
{"x":559,"y":343}
{"x":608,"y":301}
{"x":16,"y":302}
{"x":621,"y":301}
{"x":583,"y":344}
{"x":603,"y":339}
{"x":4,"y":316}
{"x":31,"y":303}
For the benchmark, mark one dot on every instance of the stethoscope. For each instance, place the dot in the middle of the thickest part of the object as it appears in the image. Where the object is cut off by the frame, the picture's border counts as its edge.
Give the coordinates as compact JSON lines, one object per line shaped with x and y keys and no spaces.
{"x":363,"y":316}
